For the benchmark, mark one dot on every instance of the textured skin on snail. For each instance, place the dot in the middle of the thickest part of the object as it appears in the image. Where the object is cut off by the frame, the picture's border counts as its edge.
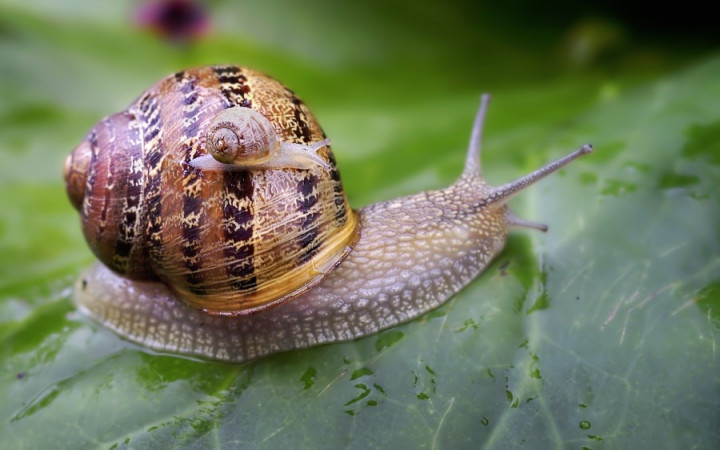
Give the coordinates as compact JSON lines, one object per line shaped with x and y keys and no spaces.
{"x":401,"y":259}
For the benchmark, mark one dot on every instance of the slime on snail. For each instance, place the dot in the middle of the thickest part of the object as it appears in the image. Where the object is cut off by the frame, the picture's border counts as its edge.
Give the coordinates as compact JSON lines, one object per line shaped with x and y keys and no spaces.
{"x":215,"y":208}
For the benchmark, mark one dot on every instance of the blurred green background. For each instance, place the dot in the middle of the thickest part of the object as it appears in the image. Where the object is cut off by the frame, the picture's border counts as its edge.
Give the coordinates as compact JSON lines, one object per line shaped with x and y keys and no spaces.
{"x":603,"y":334}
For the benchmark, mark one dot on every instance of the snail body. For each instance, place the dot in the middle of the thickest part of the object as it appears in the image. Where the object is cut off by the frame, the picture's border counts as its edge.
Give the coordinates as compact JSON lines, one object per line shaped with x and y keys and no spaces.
{"x":246,"y":256}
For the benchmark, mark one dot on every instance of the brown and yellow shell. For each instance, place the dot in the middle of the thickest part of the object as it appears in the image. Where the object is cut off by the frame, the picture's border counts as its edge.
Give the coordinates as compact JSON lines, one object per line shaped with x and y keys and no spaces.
{"x":227,"y":242}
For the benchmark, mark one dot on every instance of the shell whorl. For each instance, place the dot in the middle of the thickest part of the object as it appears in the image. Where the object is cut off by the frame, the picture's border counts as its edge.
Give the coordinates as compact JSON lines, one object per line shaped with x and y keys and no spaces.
{"x":228,"y":242}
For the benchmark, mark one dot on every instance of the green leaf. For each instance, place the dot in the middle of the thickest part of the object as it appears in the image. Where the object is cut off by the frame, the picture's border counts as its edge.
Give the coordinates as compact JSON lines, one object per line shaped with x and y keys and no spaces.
{"x":601,"y":333}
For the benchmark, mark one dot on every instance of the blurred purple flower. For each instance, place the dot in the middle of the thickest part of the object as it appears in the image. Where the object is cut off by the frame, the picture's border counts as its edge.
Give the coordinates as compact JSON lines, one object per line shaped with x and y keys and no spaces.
{"x":176,"y":20}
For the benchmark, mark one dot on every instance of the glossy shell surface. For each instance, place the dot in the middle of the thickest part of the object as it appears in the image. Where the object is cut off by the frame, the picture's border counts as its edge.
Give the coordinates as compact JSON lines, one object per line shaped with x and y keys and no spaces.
{"x":227,"y":242}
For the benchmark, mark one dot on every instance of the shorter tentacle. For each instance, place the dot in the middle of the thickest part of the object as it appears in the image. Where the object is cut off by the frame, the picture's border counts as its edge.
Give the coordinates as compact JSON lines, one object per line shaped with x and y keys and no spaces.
{"x":515,"y":221}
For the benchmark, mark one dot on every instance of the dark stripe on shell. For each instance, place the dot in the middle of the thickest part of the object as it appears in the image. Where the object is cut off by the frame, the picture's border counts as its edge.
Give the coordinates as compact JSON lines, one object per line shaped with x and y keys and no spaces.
{"x":238,"y":220}
{"x":307,"y":200}
{"x":302,"y":132}
{"x":338,"y":194}
{"x":193,"y":216}
{"x":224,"y":70}
{"x":154,"y":131}
{"x":152,"y":158}
{"x":154,"y":124}
{"x":232,"y":85}
{"x":238,"y":228}
{"x":133,"y":182}
{"x":193,"y":209}
{"x":307,"y":191}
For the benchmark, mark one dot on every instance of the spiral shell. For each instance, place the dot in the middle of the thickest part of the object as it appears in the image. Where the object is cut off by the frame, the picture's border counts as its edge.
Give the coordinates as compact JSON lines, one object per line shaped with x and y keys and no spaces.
{"x":227,"y":242}
{"x":242,"y":136}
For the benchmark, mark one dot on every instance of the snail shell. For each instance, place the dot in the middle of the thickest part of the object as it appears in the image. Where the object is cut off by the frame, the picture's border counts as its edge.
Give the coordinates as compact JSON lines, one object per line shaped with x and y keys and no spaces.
{"x":191,"y":247}
{"x":229,"y":242}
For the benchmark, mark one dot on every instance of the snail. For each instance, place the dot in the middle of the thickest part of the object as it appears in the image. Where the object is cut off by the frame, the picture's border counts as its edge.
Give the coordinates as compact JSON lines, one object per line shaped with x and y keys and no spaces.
{"x":241,"y":138}
{"x":236,"y":254}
